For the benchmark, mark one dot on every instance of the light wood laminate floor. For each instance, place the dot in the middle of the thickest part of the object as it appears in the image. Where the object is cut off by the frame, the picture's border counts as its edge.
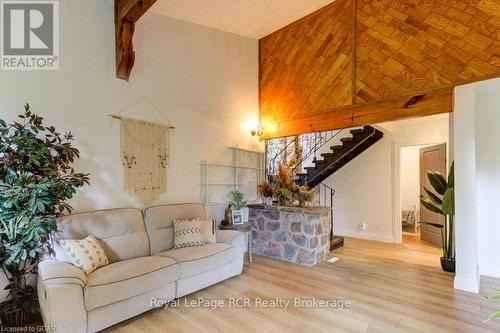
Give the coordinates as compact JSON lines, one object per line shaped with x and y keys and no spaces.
{"x":392,"y":288}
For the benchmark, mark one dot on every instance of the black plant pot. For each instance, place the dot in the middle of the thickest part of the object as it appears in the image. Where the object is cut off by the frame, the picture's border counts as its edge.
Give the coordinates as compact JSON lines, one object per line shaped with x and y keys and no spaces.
{"x":448,"y":265}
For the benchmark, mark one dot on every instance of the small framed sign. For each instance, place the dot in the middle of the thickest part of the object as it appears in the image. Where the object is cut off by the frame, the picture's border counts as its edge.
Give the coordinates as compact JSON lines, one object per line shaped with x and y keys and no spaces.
{"x":237,"y":217}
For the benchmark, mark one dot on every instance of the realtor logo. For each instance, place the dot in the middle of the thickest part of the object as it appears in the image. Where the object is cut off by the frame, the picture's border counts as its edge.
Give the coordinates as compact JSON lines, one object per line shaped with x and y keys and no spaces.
{"x":30,"y":35}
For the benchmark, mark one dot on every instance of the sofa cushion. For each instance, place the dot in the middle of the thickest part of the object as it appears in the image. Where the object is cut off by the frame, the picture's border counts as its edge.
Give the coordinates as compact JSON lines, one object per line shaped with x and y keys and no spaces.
{"x":200,"y":259}
{"x":121,"y":232}
{"x":128,"y":278}
{"x":159,"y":223}
{"x":210,"y":231}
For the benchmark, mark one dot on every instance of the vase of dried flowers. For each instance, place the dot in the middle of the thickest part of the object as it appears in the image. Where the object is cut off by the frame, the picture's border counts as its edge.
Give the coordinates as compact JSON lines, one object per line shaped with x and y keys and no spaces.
{"x":266,"y":190}
{"x":303,"y":195}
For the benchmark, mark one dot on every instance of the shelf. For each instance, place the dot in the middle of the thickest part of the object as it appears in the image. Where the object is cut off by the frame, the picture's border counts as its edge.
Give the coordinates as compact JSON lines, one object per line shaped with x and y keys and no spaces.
{"x":247,"y":150}
{"x":233,"y":166}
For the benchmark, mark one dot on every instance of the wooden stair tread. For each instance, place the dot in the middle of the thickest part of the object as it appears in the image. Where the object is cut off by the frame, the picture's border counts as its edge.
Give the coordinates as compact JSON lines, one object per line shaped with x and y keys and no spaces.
{"x":342,"y":154}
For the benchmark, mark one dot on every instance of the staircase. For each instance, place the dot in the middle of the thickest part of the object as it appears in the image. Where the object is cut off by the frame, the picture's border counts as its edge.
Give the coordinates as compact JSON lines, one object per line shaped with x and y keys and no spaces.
{"x":340,"y":155}
{"x":336,"y":149}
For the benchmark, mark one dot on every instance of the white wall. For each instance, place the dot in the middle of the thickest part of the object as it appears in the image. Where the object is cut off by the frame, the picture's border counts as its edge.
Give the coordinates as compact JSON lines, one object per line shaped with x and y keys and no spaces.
{"x":365,"y":190}
{"x":410,"y":176}
{"x":467,"y":275}
{"x":203,"y":80}
{"x":477,"y":151}
{"x":488,"y":182}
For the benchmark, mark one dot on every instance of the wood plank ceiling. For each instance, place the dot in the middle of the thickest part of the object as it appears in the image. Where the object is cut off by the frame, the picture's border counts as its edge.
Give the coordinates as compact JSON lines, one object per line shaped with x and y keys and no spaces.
{"x":395,"y":58}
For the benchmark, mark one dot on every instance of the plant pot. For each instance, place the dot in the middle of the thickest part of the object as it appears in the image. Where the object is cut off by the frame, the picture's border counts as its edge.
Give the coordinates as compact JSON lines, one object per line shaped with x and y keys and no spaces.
{"x":14,"y":319}
{"x":448,"y":265}
{"x":269,"y":201}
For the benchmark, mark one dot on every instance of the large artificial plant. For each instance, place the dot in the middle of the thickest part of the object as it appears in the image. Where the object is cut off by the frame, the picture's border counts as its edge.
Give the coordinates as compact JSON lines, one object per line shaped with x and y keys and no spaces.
{"x":441,"y":200}
{"x":36,"y":180}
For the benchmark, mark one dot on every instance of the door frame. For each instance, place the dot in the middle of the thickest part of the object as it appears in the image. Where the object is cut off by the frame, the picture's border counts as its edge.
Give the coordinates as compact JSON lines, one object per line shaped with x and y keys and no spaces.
{"x":397,"y":228}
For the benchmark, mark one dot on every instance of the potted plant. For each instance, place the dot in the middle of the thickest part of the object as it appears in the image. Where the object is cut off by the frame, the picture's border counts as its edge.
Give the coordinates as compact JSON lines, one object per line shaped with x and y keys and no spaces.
{"x":36,"y":179}
{"x":238,"y":207}
{"x":441,"y":200}
{"x":266,"y":190}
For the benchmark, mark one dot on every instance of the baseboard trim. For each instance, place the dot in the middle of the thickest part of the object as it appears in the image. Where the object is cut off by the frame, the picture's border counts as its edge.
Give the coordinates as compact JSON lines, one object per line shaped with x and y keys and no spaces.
{"x":489,"y":271}
{"x":466,"y":284}
{"x":364,"y":235}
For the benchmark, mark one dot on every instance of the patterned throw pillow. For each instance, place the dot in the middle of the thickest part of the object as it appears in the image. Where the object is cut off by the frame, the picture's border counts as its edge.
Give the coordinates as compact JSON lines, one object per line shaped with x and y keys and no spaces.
{"x":209,"y":227}
{"x":188,"y":233}
{"x":86,"y":254}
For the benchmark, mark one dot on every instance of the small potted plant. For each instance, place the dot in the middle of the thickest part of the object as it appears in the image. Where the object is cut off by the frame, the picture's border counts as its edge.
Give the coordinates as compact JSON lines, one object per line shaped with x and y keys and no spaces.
{"x":266,"y":190}
{"x":441,"y":200}
{"x":238,"y":207}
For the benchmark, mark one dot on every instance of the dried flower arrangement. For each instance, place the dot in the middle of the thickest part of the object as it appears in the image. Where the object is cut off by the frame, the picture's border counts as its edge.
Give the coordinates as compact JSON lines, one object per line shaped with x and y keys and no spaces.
{"x":266,"y":189}
{"x":285,"y":189}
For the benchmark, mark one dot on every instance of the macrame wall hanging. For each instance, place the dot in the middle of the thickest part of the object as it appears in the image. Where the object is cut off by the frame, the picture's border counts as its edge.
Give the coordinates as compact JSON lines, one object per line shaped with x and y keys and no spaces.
{"x":145,"y":155}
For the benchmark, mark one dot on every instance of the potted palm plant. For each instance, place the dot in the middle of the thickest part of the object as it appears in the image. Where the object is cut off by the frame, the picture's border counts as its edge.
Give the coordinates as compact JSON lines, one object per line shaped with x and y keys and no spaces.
{"x":36,"y":179}
{"x":441,"y":200}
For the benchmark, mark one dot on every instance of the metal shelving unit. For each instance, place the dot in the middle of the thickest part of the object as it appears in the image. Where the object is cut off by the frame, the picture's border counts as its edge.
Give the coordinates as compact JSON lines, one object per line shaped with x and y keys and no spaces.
{"x":236,"y":165}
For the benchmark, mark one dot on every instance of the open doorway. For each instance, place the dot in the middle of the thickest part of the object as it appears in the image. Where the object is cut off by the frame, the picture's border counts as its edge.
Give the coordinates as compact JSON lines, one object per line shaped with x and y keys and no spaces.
{"x":415,"y":160}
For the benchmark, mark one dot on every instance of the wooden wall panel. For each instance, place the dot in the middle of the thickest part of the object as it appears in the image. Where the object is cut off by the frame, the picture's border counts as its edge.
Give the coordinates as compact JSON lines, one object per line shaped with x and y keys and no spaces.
{"x":407,"y":46}
{"x":320,"y":69}
{"x":306,"y":67}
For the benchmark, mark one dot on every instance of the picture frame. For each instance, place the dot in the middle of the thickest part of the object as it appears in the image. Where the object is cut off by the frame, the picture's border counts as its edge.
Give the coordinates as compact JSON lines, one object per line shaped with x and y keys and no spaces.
{"x":237,"y":217}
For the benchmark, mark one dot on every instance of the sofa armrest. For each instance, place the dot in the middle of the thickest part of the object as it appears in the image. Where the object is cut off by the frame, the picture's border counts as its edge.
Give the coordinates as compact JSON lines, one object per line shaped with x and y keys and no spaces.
{"x":53,"y":272}
{"x":230,"y":237}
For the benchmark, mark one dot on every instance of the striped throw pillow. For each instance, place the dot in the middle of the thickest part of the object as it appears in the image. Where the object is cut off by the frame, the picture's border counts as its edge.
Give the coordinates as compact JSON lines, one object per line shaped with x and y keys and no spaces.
{"x":188,"y":233}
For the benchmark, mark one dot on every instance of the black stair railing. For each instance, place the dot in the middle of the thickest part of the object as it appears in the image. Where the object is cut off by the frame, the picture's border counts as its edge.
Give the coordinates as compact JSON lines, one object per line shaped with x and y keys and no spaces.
{"x":325,"y":198}
{"x":324,"y":138}
{"x":280,"y":150}
{"x":360,"y":143}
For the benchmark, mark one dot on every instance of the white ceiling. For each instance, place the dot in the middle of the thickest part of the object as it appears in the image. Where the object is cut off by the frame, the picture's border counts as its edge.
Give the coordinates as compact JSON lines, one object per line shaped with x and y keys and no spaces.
{"x":250,"y":18}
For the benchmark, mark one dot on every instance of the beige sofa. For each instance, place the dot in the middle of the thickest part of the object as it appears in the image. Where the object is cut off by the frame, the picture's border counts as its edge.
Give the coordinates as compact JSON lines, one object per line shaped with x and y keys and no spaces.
{"x":143,"y":268}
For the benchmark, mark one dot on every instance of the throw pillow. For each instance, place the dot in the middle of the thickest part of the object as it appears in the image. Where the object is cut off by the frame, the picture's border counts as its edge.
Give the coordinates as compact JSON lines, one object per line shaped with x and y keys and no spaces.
{"x":86,"y":254}
{"x":188,"y":233}
{"x":209,"y":227}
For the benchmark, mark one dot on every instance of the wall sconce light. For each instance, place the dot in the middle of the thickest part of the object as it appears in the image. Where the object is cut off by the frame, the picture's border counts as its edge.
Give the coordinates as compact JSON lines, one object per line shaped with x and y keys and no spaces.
{"x":257,"y":131}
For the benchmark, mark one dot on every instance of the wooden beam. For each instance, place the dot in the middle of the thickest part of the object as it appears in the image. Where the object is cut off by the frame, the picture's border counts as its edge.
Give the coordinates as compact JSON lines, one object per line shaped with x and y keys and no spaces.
{"x":127,"y":13}
{"x":425,"y":104}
